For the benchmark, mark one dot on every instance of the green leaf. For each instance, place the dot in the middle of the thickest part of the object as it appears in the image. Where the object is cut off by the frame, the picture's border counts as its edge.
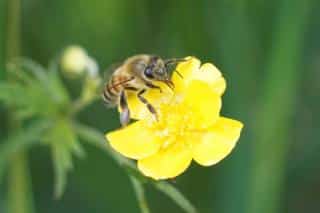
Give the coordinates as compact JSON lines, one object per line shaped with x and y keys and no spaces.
{"x":64,"y":144}
{"x":59,"y":92}
{"x":28,"y":96}
{"x":27,"y":100}
{"x":49,"y":80}
{"x":37,"y":70}
{"x":20,"y":141}
{"x":62,"y":164}
{"x":17,"y":74}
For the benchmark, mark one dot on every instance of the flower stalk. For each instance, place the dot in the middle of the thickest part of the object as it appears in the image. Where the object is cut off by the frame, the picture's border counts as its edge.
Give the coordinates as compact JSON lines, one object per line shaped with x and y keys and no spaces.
{"x":19,"y":194}
{"x":139,"y":191}
{"x":2,"y":38}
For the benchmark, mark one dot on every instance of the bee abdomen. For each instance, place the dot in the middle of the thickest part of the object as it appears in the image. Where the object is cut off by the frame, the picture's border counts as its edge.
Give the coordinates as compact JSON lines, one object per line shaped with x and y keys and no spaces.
{"x":109,"y":96}
{"x":111,"y":92}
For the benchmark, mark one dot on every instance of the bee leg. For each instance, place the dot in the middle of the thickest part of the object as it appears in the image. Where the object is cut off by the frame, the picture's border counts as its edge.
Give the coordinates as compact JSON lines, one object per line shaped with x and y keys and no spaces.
{"x":125,"y":113}
{"x":150,"y":85}
{"x":145,"y":101}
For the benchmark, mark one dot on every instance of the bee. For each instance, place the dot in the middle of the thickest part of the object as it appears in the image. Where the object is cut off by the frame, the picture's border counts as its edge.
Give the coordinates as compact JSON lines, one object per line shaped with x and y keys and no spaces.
{"x":139,"y":74}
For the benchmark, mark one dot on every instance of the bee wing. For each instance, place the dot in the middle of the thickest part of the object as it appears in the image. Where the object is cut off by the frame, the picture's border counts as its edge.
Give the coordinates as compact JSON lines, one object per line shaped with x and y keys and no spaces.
{"x":122,"y":82}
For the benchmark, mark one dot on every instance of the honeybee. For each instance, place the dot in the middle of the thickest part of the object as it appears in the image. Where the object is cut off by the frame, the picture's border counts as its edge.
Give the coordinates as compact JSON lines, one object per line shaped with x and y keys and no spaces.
{"x":137,"y":73}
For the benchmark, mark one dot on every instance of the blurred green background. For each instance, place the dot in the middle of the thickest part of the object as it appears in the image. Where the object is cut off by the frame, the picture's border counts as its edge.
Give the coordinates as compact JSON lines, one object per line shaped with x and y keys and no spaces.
{"x":269,"y":52}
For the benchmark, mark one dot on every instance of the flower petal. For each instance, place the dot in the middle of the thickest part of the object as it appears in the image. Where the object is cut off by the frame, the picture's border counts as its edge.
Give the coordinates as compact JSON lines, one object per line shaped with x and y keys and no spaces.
{"x":218,"y":142}
{"x":191,"y":70}
{"x":203,"y":103}
{"x":185,"y":73}
{"x":210,"y":74}
{"x":134,"y":141}
{"x":167,"y":163}
{"x":138,"y":110}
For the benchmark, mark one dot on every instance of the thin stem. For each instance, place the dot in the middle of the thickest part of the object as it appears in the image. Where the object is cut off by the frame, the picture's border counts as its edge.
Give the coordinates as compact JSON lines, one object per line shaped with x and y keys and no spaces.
{"x":80,"y":104}
{"x":2,"y":37}
{"x":139,"y":191}
{"x":13,"y":29}
{"x":19,"y":188}
{"x":175,"y":195}
{"x":19,"y":194}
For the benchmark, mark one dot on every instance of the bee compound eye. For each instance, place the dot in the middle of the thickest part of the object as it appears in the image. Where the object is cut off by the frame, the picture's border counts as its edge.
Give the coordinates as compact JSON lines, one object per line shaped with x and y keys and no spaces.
{"x":148,"y":72}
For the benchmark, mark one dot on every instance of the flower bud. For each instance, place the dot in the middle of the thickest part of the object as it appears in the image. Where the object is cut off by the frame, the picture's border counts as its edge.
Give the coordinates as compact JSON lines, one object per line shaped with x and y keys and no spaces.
{"x":74,"y":61}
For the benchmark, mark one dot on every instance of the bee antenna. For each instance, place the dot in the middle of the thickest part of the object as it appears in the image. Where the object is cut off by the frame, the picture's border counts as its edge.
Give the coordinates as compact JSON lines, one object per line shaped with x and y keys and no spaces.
{"x":179,"y":74}
{"x":174,"y":61}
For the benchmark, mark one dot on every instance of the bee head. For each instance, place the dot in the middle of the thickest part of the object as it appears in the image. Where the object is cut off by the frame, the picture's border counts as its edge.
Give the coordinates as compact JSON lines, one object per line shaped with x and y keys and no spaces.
{"x":157,"y":71}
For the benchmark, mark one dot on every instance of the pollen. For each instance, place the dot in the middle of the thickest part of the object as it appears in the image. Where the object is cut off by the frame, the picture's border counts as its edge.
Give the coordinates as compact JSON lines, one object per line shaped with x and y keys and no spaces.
{"x":173,"y":123}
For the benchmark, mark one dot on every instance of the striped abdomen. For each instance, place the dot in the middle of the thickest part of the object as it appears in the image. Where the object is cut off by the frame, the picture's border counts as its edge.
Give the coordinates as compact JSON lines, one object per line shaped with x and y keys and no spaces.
{"x":111,"y":92}
{"x":113,"y":89}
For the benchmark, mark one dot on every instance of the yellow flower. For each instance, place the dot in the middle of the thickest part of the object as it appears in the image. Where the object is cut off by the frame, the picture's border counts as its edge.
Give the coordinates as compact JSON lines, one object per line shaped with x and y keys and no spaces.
{"x":189,"y":125}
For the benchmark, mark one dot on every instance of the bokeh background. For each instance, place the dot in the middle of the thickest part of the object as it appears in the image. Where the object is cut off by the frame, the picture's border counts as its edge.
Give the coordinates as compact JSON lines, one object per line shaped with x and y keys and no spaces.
{"x":269,"y":52}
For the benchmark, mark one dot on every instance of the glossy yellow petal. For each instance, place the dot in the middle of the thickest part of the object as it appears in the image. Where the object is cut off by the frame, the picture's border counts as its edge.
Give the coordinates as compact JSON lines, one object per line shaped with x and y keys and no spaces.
{"x":202,"y":103}
{"x":186,"y":70}
{"x":138,"y":110}
{"x":167,"y":163}
{"x":218,"y":142}
{"x":210,"y":74}
{"x":191,"y":70}
{"x":135,"y":141}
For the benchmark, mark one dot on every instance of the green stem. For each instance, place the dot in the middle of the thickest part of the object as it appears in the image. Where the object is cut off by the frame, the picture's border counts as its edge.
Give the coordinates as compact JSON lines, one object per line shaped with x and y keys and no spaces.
{"x":276,"y":107}
{"x":2,"y":38}
{"x":139,"y":191}
{"x":175,"y":195}
{"x":13,"y":29}
{"x":19,"y":187}
{"x":19,"y":195}
{"x":80,"y":104}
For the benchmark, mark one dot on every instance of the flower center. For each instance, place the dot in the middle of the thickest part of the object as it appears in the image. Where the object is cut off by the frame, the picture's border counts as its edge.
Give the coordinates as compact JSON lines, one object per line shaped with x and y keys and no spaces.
{"x":174,"y":125}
